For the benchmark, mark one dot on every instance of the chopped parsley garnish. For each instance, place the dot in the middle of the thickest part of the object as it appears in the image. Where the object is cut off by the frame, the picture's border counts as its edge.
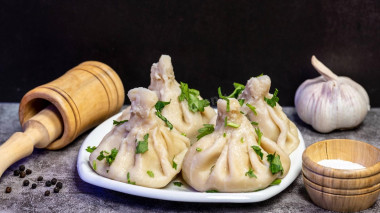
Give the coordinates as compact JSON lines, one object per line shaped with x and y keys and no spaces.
{"x":184,"y":134}
{"x":234,"y":125}
{"x":238,"y":90}
{"x":224,"y":134}
{"x":241,"y":112}
{"x":94,"y":164}
{"x":90,"y":149}
{"x":272,"y":101}
{"x":142,"y":146}
{"x":252,"y":108}
{"x":159,"y":106}
{"x":177,"y":183}
{"x":254,"y":123}
{"x":275,"y":182}
{"x":225,"y":121}
{"x":174,"y":164}
{"x":241,"y":101}
{"x":250,"y":174}
{"x":275,"y":163}
{"x":191,"y":96}
{"x":259,"y":134}
{"x":117,"y":123}
{"x":110,"y":157}
{"x":207,"y":129}
{"x":150,"y":173}
{"x":224,"y":98}
{"x":257,"y":149}
{"x":129,"y":180}
{"x":198,"y":149}
{"x":212,"y":191}
{"x":241,"y":140}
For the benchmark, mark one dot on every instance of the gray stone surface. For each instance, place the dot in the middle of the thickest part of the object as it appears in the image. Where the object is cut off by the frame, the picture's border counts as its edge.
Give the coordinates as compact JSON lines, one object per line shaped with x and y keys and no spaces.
{"x":79,"y":196}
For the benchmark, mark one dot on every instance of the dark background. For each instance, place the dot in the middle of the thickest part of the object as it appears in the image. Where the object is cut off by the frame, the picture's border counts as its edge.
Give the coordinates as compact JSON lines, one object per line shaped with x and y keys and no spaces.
{"x":212,"y":43}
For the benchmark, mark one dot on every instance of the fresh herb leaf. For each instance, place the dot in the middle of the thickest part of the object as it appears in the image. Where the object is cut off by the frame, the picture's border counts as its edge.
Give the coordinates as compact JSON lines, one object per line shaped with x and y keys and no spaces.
{"x":159,"y":106}
{"x":174,"y":164}
{"x":117,"y":123}
{"x":254,"y":123}
{"x":150,"y":173}
{"x":252,"y":108}
{"x":94,"y":164}
{"x":241,"y":140}
{"x":198,"y":149}
{"x":90,"y":149}
{"x":238,"y":90}
{"x":110,"y":157}
{"x":234,"y":125}
{"x":194,"y":103}
{"x":241,"y":112}
{"x":259,"y":134}
{"x":142,"y":146}
{"x":250,"y":174}
{"x":207,"y":129}
{"x":272,"y":101}
{"x":212,"y":191}
{"x":257,"y":149}
{"x":224,"y":98}
{"x":129,"y":180}
{"x":275,"y":163}
{"x":241,"y":102}
{"x":260,"y":75}
{"x":225,"y":121}
{"x":177,"y":183}
{"x":184,"y":134}
{"x":275,"y":182}
{"x":224,"y":134}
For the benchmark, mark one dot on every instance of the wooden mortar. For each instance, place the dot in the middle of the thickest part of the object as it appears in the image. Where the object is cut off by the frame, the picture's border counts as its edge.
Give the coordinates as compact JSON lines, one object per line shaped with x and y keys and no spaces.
{"x":54,"y":114}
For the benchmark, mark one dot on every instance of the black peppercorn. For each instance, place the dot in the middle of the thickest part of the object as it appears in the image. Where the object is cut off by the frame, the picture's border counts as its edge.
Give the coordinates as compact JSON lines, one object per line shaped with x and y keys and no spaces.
{"x":34,"y":186}
{"x":47,"y":193}
{"x":59,"y":185}
{"x":8,"y":189}
{"x":28,"y":171}
{"x":53,"y":181}
{"x":40,"y":178}
{"x":21,"y":168}
{"x":16,"y":172}
{"x":25,"y":183}
{"x":48,"y":183}
{"x":56,"y":189}
{"x":22,"y":174}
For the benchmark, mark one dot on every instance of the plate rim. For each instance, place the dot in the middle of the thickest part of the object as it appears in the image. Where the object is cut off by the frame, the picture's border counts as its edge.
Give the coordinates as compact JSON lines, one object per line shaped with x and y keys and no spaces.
{"x":88,"y":175}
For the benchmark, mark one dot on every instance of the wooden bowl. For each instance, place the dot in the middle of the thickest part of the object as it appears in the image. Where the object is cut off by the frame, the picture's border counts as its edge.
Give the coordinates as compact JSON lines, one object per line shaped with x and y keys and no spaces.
{"x":342,"y":203}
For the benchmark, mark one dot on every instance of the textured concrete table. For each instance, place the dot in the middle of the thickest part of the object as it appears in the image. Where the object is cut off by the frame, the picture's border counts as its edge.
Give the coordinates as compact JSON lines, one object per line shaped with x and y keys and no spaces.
{"x":79,"y":196}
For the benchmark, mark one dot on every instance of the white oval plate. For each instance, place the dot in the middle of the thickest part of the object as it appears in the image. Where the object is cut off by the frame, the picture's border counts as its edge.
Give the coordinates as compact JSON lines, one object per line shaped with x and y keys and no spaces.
{"x":174,"y":193}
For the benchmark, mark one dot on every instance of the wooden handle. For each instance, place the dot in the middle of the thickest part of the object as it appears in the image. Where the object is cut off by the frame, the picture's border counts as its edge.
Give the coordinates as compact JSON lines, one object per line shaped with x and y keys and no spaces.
{"x":39,"y":131}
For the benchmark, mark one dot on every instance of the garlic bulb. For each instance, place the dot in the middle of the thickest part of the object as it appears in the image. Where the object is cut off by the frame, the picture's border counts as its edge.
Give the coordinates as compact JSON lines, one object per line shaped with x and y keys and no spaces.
{"x":331,"y":102}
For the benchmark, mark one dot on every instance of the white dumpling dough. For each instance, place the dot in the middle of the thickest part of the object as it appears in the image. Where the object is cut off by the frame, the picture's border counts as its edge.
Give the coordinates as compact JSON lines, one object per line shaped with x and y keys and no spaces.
{"x":164,"y":145}
{"x":168,"y":89}
{"x":273,"y":122}
{"x":223,"y":161}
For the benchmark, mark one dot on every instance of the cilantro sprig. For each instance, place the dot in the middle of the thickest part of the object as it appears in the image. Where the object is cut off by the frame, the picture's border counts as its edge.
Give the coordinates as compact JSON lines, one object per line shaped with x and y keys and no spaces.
{"x":207,"y":129}
{"x":142,"y":146}
{"x":129,"y":180}
{"x":250,"y":174}
{"x":177,"y":183}
{"x":150,"y":173}
{"x":275,"y":164}
{"x":259,"y":135}
{"x":117,"y":123}
{"x":110,"y":157}
{"x":192,"y":97}
{"x":276,"y":182}
{"x":272,"y":101}
{"x":159,"y":106}
{"x":258,"y":151}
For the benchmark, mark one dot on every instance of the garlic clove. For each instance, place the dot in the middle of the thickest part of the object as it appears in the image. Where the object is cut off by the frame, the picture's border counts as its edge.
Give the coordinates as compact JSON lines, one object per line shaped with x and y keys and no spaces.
{"x":331,"y":102}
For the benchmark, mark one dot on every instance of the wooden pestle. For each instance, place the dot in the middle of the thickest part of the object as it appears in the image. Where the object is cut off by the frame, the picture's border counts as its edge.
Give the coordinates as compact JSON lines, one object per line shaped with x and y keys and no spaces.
{"x":54,"y":114}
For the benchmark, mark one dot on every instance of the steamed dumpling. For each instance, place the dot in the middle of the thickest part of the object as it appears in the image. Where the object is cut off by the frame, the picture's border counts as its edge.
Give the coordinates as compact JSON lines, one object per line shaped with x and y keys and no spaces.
{"x":272,"y":121}
{"x":177,"y":112}
{"x":153,"y":165}
{"x":225,"y":160}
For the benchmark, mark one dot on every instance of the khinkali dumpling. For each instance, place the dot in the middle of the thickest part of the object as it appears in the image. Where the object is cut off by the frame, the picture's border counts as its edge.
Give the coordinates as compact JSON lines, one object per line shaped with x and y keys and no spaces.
{"x":187,"y":119}
{"x":142,"y":150}
{"x":272,"y":121}
{"x":228,"y":159}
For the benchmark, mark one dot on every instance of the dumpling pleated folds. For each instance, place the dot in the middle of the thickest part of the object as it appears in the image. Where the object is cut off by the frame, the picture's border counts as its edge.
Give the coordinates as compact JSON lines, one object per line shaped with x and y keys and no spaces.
{"x":233,"y":158}
{"x":271,"y":120}
{"x":143,"y":150}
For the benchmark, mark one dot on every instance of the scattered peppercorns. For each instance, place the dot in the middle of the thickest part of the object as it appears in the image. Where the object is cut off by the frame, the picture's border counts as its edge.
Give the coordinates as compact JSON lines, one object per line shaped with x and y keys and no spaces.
{"x":22,"y":174}
{"x":16,"y":172}
{"x":56,"y":189}
{"x":28,"y":171}
{"x":59,"y":185}
{"x":8,"y":189}
{"x":53,"y":181}
{"x":40,"y":178}
{"x":48,"y":183}
{"x":47,"y":193}
{"x":34,"y":186}
{"x":25,"y":183}
{"x":21,"y":168}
